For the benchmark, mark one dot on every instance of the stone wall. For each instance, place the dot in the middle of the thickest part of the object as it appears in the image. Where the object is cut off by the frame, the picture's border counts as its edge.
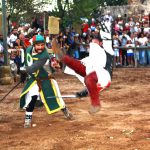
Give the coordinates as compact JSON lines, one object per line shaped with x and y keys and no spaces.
{"x":137,"y":2}
{"x":127,"y":10}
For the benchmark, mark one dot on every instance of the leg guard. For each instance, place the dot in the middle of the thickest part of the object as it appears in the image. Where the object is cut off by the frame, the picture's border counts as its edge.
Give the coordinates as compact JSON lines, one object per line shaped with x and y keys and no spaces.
{"x":74,"y":64}
{"x":28,"y":120}
{"x":91,"y":83}
{"x":29,"y":111}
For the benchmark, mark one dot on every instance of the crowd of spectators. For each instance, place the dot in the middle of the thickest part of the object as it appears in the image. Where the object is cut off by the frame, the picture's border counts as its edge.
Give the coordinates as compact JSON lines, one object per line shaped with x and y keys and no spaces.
{"x":133,"y":32}
{"x":129,"y":32}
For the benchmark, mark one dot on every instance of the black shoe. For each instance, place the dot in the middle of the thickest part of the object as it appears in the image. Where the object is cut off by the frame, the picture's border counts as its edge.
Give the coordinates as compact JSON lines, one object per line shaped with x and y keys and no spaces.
{"x":67,"y":114}
{"x":83,"y":93}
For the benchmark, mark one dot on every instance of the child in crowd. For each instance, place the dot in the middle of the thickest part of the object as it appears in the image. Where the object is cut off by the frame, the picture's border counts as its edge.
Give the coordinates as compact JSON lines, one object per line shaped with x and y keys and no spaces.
{"x":130,"y":54}
{"x":116,"y":49}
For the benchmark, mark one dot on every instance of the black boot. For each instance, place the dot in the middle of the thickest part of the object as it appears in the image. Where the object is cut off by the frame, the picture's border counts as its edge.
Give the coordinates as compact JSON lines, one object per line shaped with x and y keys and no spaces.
{"x":67,"y":114}
{"x":82,"y":93}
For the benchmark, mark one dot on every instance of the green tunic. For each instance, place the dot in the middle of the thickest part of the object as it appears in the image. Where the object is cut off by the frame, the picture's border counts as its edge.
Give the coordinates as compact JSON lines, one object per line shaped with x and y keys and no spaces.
{"x":40,"y":77}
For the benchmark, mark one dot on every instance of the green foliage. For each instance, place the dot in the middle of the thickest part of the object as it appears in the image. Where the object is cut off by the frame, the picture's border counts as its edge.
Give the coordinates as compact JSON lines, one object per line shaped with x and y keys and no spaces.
{"x":24,"y":8}
{"x":67,"y":11}
{"x":81,"y":8}
{"x":85,"y":8}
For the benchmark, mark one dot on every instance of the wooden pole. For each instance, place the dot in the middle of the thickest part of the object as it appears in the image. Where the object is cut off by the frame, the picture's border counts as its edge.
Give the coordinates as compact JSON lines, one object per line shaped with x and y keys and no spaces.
{"x":4,"y":32}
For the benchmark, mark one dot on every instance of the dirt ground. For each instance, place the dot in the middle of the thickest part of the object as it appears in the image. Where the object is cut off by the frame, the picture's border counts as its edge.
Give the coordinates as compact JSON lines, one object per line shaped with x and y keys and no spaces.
{"x":122,"y":124}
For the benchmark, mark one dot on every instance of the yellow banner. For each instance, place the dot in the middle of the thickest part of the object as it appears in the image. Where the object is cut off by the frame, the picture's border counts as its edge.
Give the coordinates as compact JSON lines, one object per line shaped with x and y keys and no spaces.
{"x":53,"y":25}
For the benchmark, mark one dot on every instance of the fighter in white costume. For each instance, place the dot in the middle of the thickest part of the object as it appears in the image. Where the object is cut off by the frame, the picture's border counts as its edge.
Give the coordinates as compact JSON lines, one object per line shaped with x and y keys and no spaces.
{"x":95,"y":70}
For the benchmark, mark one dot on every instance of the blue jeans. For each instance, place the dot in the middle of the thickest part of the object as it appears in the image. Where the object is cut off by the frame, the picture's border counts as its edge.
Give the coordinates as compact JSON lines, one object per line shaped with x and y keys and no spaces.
{"x":142,"y":57}
{"x":76,"y":54}
{"x":148,"y":57}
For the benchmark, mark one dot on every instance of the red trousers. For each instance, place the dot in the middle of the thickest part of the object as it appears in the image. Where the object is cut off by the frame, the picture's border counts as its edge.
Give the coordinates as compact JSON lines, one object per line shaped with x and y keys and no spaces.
{"x":90,"y":79}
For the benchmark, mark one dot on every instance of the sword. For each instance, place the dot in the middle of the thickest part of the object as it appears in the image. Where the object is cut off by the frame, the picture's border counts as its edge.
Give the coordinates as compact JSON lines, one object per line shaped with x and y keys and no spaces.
{"x":10,"y":91}
{"x":63,"y":96}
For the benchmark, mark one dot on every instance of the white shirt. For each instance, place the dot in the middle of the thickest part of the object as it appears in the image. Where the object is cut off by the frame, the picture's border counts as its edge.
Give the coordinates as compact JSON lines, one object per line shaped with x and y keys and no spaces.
{"x":1,"y":48}
{"x":13,"y":38}
{"x":147,"y":30}
{"x":143,"y":41}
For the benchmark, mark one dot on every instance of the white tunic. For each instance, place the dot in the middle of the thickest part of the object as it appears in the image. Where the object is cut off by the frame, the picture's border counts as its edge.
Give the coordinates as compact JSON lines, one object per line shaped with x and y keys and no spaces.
{"x":96,"y":61}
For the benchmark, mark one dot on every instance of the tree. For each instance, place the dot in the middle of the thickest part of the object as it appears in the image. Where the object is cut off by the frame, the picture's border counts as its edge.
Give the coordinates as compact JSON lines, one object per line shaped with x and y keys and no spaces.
{"x":82,"y":8}
{"x":26,"y":8}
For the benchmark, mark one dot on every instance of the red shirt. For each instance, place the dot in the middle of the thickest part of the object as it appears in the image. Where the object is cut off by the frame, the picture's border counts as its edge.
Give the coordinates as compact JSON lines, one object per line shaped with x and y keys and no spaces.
{"x":85,"y":27}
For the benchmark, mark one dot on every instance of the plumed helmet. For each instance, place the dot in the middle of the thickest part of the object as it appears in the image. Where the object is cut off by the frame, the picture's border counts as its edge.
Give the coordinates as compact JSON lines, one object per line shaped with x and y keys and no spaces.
{"x":38,"y":39}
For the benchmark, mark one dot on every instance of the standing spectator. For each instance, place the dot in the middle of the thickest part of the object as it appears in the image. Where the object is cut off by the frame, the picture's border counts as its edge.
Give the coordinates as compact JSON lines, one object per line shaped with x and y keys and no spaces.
{"x":47,"y":39}
{"x":142,"y":54}
{"x":127,"y":28}
{"x":93,"y":25}
{"x":82,"y":49}
{"x":76,"y":46}
{"x":85,"y":26}
{"x":146,"y":29}
{"x":146,"y":18}
{"x":116,"y":49}
{"x":137,"y":27}
{"x":120,"y":22}
{"x":34,"y":23}
{"x":131,"y":24}
{"x":117,"y":28}
{"x":108,"y":24}
{"x":148,"y":51}
{"x":130,"y":54}
{"x":123,"y":39}
{"x":70,"y":40}
{"x":108,"y":16}
{"x":13,"y":38}
{"x":136,"y":53}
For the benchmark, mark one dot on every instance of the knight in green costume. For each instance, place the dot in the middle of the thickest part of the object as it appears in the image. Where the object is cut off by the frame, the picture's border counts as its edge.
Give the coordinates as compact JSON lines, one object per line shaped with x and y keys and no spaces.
{"x":40,"y":84}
